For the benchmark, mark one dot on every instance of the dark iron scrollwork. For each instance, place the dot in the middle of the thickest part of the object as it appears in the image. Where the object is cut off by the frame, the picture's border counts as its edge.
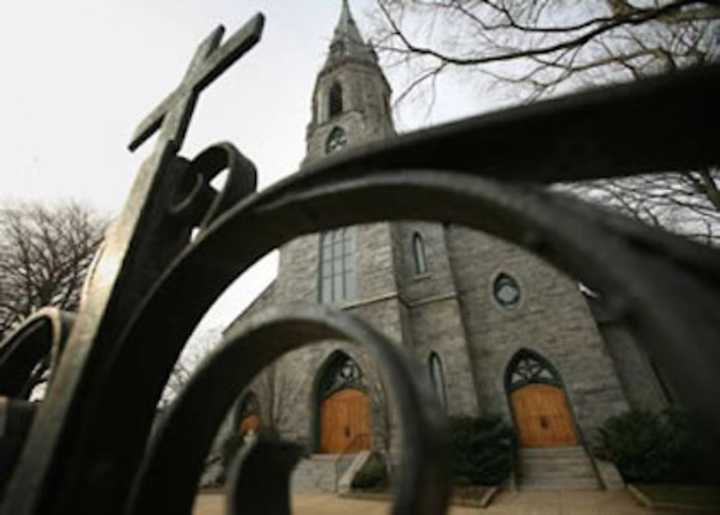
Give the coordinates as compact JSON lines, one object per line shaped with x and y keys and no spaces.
{"x":87,"y":449}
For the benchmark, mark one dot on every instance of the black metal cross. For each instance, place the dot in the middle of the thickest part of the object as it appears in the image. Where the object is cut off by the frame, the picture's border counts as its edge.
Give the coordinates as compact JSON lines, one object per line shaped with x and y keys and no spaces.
{"x":174,"y":113}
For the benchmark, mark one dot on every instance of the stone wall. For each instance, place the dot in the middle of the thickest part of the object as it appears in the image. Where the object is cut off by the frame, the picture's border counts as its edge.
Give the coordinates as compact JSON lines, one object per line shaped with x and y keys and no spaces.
{"x":641,"y":385}
{"x":552,"y":318}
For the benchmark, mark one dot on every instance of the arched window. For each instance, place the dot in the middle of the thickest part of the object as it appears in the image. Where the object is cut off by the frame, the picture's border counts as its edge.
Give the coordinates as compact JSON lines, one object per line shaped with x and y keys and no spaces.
{"x":419,"y":254}
{"x":340,"y":372}
{"x":337,"y":279}
{"x":528,"y":367}
{"x":335,"y":100}
{"x":437,"y":377}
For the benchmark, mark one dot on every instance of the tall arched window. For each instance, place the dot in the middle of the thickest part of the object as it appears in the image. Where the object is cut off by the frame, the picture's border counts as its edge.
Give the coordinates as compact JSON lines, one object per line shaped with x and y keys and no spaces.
{"x":337,"y":279}
{"x":419,"y":254}
{"x":437,"y":377}
{"x":335,"y":100}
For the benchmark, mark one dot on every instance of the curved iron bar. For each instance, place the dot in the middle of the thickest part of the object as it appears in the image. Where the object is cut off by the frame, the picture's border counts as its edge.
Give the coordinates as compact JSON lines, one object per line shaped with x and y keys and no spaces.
{"x":175,"y":459}
{"x":260,"y":477}
{"x":611,"y":132}
{"x":40,"y":338}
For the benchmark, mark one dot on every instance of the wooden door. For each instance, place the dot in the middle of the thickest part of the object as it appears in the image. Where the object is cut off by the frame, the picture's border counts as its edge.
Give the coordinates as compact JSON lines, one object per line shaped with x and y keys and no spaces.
{"x":248,"y":423}
{"x":345,"y":422}
{"x":543,"y":417}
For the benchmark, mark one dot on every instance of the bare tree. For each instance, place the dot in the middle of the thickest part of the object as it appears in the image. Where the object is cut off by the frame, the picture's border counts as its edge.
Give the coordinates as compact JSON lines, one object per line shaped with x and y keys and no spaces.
{"x":198,"y":347}
{"x":535,"y":48}
{"x":540,"y":45}
{"x":687,"y":203}
{"x":45,"y":252}
{"x":274,"y":388}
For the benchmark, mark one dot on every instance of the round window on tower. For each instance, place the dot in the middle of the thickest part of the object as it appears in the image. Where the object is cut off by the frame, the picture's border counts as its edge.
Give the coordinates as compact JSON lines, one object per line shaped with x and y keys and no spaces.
{"x":336,"y":140}
{"x":506,"y":291}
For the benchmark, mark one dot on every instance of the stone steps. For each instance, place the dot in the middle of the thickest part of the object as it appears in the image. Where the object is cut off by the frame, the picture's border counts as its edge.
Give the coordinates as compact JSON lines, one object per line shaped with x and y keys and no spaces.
{"x":567,"y":468}
{"x":314,"y":475}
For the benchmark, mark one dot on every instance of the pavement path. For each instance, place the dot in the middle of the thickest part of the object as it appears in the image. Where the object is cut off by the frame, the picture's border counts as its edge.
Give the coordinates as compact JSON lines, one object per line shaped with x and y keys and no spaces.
{"x":506,"y":503}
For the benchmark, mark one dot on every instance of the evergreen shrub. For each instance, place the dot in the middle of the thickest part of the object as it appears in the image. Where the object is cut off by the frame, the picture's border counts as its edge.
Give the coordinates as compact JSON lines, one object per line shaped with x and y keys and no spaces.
{"x":651,"y":447}
{"x":482,"y":450}
{"x":373,"y":475}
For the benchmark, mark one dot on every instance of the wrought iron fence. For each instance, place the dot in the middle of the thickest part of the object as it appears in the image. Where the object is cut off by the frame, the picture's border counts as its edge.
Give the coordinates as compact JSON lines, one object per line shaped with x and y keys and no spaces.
{"x":87,"y":449}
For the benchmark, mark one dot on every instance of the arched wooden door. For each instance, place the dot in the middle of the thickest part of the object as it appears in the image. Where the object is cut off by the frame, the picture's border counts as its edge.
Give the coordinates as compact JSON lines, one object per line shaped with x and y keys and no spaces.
{"x":247,"y":416}
{"x":345,"y":422}
{"x":250,"y":422}
{"x":542,"y":416}
{"x":540,"y":408}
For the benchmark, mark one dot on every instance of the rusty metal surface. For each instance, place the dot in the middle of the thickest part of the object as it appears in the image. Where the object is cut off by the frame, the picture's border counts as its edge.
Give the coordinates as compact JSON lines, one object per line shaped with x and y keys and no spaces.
{"x":152,"y":284}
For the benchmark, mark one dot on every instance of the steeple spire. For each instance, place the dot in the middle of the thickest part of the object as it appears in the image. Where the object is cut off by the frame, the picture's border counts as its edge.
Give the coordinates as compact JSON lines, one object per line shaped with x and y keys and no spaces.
{"x":347,"y":43}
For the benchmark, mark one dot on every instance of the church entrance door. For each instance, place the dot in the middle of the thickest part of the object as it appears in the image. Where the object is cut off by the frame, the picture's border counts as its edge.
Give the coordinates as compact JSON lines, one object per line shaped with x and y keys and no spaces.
{"x":543,"y":417}
{"x":345,"y":422}
{"x":248,"y":423}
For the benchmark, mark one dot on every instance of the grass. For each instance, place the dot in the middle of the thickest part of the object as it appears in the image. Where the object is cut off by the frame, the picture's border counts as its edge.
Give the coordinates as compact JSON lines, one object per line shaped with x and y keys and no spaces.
{"x":702,"y":497}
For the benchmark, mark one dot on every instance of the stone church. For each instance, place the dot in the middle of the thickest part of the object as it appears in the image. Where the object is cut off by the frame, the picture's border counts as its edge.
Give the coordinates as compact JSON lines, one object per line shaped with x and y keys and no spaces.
{"x":499,"y":330}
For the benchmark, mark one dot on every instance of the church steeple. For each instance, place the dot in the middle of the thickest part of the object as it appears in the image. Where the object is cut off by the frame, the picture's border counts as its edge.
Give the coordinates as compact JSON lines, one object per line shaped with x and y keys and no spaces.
{"x":347,"y":43}
{"x":351,"y":100}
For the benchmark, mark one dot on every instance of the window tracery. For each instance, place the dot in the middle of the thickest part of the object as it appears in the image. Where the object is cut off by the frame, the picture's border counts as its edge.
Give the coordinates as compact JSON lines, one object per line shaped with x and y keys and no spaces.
{"x":343,"y":372}
{"x":528,"y":367}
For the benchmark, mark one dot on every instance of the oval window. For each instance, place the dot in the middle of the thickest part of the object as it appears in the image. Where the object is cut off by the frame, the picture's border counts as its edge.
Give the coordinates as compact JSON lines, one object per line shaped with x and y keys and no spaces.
{"x":506,"y":291}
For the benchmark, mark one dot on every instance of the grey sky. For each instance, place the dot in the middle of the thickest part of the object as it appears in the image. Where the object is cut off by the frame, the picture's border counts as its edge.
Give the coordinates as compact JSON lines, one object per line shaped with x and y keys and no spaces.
{"x":79,"y":75}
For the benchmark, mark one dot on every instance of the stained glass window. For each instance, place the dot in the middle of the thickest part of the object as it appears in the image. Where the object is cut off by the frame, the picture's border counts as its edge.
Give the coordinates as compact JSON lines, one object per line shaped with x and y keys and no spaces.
{"x":528,"y":367}
{"x":342,"y":372}
{"x":337,"y":265}
{"x":506,"y":291}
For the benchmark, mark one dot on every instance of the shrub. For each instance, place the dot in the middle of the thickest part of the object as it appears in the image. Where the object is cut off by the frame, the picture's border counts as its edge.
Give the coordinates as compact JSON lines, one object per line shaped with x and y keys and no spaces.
{"x":481,"y":450}
{"x":652,"y":447}
{"x":372,"y":475}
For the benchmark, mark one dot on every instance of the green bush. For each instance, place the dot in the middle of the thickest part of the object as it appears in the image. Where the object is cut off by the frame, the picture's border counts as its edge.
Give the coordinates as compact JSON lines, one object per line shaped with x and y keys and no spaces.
{"x":372,"y":475}
{"x":482,"y":450}
{"x":652,"y":447}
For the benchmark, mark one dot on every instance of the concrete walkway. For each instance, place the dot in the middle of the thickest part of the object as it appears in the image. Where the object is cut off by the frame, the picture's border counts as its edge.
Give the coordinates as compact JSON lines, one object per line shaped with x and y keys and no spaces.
{"x":506,"y":503}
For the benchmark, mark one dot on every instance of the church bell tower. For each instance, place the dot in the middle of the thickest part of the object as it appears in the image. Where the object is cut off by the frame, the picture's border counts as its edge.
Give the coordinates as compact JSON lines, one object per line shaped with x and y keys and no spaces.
{"x":351,"y":99}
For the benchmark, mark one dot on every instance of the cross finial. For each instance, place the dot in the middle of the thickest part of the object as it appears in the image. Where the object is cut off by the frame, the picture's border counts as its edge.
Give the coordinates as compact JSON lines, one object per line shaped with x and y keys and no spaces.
{"x":173,"y":114}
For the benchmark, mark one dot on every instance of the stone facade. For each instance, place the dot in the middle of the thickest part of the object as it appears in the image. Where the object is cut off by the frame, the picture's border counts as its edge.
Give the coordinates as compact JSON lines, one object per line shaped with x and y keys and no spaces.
{"x":448,"y":307}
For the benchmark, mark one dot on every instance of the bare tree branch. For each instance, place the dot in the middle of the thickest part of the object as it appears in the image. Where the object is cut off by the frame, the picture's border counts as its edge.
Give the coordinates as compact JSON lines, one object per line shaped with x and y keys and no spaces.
{"x":44,"y":255}
{"x":540,"y":47}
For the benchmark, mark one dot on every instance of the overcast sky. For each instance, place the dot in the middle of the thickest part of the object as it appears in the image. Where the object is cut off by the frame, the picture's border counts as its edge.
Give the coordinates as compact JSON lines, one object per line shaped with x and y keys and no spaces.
{"x":78,"y":76}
